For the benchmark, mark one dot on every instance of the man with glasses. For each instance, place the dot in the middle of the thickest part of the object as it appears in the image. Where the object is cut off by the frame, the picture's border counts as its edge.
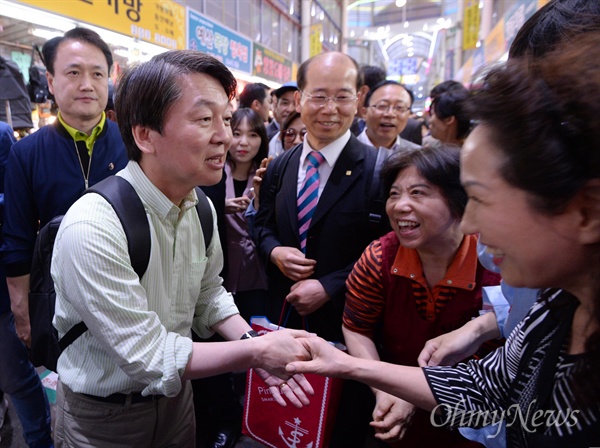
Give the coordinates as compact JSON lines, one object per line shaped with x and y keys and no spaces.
{"x":308,"y":260}
{"x":386,"y":111}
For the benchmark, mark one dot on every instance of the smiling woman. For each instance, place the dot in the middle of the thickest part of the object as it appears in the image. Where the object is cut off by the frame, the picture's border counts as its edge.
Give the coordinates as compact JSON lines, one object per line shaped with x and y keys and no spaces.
{"x":532,"y":172}
{"x":416,"y":282}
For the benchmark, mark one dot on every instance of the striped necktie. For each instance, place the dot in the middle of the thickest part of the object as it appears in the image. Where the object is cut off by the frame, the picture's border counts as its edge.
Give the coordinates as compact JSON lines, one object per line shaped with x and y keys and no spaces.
{"x":308,"y":195}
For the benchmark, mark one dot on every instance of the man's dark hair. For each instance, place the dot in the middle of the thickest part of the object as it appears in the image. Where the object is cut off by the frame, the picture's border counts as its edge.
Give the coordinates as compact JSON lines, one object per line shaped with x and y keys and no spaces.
{"x":301,"y":75}
{"x":452,"y":102}
{"x":372,"y":75}
{"x":442,"y":87}
{"x":81,"y":34}
{"x":253,"y":91}
{"x":387,"y":82}
{"x":145,"y":93}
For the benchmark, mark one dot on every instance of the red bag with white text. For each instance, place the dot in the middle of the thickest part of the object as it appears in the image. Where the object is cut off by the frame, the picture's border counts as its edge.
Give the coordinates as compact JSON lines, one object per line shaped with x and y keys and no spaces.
{"x":277,"y":426}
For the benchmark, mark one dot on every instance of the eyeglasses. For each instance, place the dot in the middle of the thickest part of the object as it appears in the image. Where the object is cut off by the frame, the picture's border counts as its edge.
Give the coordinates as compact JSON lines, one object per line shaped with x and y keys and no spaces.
{"x":290,"y":134}
{"x":322,"y":100}
{"x":384,"y":107}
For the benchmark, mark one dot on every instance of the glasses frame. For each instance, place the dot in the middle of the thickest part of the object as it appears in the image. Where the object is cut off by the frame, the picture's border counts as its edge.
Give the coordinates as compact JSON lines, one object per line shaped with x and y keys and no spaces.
{"x":395,"y":108}
{"x":302,"y":134}
{"x":322,"y":100}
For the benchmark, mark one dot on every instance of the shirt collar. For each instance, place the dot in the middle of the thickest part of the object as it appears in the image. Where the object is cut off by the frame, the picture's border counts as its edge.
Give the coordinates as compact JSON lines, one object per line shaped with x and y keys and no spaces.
{"x":82,"y":136}
{"x":460,"y":274}
{"x":364,"y":138}
{"x":153,"y":197}
{"x":331,"y":152}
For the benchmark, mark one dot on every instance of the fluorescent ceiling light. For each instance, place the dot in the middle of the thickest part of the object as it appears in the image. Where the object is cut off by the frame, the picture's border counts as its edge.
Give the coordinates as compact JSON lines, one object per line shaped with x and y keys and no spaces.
{"x":37,"y":17}
{"x":46,"y":34}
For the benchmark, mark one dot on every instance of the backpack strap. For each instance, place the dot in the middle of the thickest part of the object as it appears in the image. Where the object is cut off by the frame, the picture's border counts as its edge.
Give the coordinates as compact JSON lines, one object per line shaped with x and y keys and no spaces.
{"x":128,"y":206}
{"x":206,"y":217}
{"x":376,"y":193}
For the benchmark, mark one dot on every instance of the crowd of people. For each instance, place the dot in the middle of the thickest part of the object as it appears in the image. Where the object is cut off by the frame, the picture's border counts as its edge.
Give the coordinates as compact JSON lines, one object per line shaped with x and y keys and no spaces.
{"x":337,"y":220}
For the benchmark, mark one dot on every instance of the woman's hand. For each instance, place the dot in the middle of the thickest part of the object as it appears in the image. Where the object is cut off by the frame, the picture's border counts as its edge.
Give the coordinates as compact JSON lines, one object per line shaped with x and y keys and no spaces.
{"x":391,"y":417}
{"x":237,"y":205}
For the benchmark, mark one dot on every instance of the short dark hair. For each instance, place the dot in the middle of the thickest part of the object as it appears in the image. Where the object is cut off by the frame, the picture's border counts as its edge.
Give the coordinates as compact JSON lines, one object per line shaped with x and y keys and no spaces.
{"x":81,"y":34}
{"x":439,"y":165}
{"x":303,"y":69}
{"x":253,"y":91}
{"x":257,"y":125}
{"x":556,"y":22}
{"x":387,"y":82}
{"x":452,"y":102}
{"x":372,"y":75}
{"x":444,"y":86}
{"x":146,"y":92}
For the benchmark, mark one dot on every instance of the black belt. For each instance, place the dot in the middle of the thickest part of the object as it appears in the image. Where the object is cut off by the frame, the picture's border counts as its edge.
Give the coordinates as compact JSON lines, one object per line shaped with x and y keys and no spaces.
{"x":122,"y":398}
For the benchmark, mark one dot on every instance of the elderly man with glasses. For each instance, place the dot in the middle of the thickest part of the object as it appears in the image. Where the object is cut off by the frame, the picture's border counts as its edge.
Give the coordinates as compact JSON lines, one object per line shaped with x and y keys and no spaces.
{"x":386,"y":112}
{"x":313,"y":222}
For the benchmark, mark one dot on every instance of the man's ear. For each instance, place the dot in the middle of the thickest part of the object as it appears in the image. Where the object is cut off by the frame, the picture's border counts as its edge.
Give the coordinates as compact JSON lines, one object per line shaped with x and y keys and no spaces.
{"x":589,"y":209}
{"x":255,"y":106}
{"x":144,"y":138}
{"x":50,"y":80}
{"x":297,"y":98}
{"x":449,"y":120}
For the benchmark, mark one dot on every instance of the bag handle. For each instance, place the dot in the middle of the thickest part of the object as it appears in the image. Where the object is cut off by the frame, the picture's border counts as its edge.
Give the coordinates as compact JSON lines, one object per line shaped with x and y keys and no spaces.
{"x":283,"y":322}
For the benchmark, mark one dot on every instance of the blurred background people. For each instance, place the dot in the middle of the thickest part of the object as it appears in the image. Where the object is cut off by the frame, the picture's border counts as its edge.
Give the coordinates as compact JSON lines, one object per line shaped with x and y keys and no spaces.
{"x":449,"y":120}
{"x":256,"y":96}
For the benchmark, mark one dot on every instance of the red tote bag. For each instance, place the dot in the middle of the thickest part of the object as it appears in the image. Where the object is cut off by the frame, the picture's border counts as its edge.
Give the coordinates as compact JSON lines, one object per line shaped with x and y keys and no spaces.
{"x":277,"y":426}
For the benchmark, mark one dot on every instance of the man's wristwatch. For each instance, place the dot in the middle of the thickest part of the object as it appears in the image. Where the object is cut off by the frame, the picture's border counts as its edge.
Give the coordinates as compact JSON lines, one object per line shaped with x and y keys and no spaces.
{"x":250,"y":334}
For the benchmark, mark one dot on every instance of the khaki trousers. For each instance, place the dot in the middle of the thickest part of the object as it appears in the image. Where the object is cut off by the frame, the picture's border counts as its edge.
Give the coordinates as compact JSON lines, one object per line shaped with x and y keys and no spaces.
{"x":82,"y":422}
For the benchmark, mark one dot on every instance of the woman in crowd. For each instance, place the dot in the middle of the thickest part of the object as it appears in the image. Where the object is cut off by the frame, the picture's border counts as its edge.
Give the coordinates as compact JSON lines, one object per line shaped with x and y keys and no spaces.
{"x":292,"y":131}
{"x":449,"y":120}
{"x":531,"y":169}
{"x":243,"y":274}
{"x":421,"y":280}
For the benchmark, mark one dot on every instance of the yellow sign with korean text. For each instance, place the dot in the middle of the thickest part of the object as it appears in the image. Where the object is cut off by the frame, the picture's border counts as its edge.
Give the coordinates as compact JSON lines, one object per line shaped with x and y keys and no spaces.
{"x":471,"y":20}
{"x":160,"y":22}
{"x":316,"y":45}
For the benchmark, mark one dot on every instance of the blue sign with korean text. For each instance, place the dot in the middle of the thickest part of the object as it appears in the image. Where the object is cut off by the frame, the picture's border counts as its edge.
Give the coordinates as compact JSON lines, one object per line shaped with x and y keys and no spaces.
{"x":227,"y":46}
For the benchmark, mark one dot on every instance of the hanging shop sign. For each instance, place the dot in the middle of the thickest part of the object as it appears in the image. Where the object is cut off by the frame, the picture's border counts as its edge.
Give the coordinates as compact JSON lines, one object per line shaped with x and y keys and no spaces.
{"x":270,"y":65}
{"x":230,"y":48}
{"x":471,"y":21}
{"x":316,"y":39}
{"x":160,"y":22}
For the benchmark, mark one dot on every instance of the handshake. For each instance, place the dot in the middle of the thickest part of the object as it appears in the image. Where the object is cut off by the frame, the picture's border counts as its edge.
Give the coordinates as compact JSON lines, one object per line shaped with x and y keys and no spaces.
{"x":283,"y":356}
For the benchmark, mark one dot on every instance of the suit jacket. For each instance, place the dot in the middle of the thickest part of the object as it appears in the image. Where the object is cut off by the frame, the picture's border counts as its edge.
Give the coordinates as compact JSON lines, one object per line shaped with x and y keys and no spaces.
{"x":339,"y":231}
{"x":272,"y":128}
{"x":412,"y":132}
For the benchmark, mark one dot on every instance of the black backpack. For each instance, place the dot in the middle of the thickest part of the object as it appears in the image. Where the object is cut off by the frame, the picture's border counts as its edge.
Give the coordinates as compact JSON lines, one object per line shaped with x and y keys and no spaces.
{"x":38,"y":83}
{"x":45,"y":345}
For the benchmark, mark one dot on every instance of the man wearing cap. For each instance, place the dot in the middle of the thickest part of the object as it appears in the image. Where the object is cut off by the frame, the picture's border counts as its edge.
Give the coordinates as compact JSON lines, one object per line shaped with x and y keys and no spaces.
{"x":283,"y":109}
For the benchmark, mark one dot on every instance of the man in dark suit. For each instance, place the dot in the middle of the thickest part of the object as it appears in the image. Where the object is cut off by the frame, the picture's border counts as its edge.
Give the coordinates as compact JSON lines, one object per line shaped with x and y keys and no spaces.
{"x":311,"y":278}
